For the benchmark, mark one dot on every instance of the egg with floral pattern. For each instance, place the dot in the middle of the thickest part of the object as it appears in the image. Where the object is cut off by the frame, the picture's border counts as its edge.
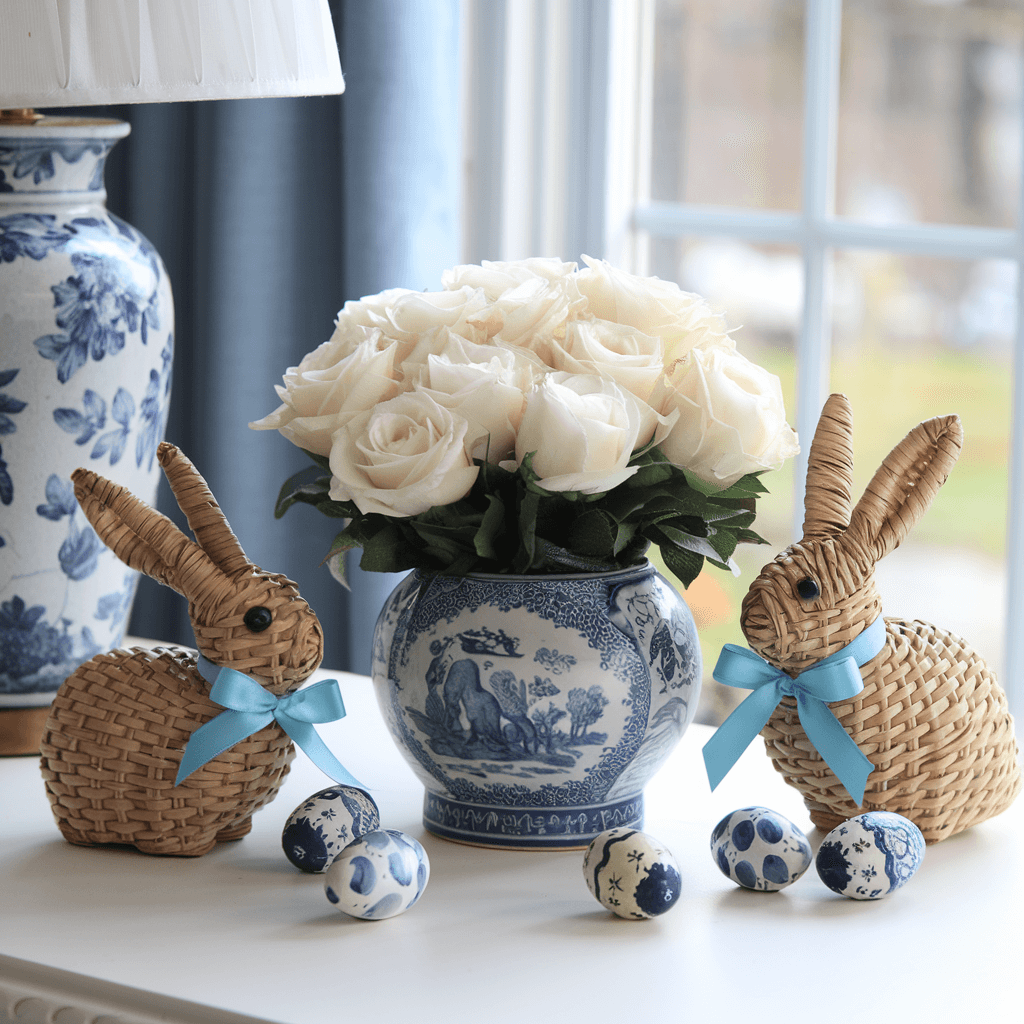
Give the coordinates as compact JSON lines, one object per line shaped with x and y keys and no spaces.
{"x":631,"y":874}
{"x":325,"y":823}
{"x":380,"y":875}
{"x":870,"y":855}
{"x":760,"y":849}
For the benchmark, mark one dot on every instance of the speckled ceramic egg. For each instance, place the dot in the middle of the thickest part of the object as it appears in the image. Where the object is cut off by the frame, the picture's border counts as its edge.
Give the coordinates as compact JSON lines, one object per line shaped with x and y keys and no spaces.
{"x":631,"y":874}
{"x":325,"y":823}
{"x":379,"y":875}
{"x":871,"y":855}
{"x":760,"y":849}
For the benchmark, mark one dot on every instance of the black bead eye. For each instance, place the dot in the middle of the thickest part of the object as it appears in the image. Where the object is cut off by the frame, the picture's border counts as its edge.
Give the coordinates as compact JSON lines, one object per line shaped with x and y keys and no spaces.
{"x":258,"y":619}
{"x":807,"y":588}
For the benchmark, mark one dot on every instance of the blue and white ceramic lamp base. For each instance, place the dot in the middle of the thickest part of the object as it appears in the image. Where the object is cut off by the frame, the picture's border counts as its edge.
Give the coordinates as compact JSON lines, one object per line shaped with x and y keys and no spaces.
{"x":85,"y":376}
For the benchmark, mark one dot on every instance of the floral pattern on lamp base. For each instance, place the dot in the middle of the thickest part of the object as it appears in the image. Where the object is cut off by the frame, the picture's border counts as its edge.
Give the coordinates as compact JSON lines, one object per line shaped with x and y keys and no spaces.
{"x":85,"y":377}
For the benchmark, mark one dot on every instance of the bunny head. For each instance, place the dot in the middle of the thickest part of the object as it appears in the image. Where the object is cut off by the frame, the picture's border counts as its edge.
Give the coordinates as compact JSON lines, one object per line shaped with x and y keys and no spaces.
{"x":243,"y":617}
{"x":819,"y":594}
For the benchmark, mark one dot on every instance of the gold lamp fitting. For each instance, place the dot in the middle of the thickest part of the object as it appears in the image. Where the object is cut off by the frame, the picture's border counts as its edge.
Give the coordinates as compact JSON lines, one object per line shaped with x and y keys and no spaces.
{"x":19,"y":115}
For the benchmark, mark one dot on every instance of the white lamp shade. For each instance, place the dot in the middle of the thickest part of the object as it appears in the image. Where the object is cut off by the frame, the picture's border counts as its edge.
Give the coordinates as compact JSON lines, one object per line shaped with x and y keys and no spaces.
{"x":65,"y":53}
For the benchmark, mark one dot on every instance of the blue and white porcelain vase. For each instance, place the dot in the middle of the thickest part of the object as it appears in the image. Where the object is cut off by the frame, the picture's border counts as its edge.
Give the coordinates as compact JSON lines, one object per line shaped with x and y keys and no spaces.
{"x":534,"y":709}
{"x":86,"y":339}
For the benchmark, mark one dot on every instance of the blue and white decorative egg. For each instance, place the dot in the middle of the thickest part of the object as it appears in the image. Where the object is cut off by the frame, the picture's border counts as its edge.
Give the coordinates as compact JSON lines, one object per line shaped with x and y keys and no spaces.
{"x":760,"y":849}
{"x":381,"y":874}
{"x":325,"y":823}
{"x":631,"y":874}
{"x":870,"y":856}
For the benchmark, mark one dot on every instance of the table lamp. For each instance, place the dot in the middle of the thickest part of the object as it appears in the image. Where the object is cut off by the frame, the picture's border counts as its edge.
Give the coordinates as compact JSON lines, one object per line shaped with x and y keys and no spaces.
{"x":86,"y":313}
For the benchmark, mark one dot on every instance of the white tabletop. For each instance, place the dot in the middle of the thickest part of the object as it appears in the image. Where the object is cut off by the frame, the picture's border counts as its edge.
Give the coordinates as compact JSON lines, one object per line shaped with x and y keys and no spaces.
{"x":498,"y":936}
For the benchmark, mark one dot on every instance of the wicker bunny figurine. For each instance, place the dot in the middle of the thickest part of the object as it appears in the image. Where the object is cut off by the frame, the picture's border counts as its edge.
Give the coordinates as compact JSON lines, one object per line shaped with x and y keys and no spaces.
{"x":115,"y":735}
{"x":932,"y":719}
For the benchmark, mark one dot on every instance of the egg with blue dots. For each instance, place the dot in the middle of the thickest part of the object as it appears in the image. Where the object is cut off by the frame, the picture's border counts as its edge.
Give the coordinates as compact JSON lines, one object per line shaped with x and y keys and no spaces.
{"x":325,"y":823}
{"x":871,"y":855}
{"x":760,"y":849}
{"x":631,"y":874}
{"x":379,"y":875}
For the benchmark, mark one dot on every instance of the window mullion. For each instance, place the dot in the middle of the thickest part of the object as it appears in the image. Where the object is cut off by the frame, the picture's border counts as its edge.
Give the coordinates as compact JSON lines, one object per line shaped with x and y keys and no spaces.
{"x":1013,"y":672}
{"x":821,"y":102}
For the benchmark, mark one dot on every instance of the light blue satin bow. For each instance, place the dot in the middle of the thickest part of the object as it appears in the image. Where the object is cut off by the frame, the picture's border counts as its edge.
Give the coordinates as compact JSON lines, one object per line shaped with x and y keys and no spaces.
{"x":250,"y":708}
{"x":836,"y":677}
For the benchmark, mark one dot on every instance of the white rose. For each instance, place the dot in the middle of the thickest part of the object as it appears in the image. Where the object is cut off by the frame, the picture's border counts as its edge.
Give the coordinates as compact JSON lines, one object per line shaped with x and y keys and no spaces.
{"x":528,"y":301}
{"x":623,"y":354}
{"x":582,"y":431}
{"x":350,"y":328}
{"x":732,"y":420}
{"x":403,"y":457}
{"x":490,"y":393}
{"x":317,"y":400}
{"x":415,"y":314}
{"x":533,"y":315}
{"x":496,"y":278}
{"x":659,"y":308}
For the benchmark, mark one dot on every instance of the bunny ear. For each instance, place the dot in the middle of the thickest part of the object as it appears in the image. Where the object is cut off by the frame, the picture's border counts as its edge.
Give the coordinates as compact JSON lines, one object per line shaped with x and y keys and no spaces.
{"x":904,"y":485}
{"x":141,"y":537}
{"x":828,"y":492}
{"x":204,"y":516}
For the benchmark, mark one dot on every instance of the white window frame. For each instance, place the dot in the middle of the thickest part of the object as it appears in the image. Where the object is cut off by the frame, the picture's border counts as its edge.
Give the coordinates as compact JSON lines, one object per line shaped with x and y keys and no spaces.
{"x":569,"y":175}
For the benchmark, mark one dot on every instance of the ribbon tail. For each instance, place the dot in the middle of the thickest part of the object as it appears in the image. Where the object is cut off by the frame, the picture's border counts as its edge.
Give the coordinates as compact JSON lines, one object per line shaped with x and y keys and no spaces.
{"x":216,"y":736}
{"x":838,"y":749}
{"x":306,"y":737}
{"x":735,"y":734}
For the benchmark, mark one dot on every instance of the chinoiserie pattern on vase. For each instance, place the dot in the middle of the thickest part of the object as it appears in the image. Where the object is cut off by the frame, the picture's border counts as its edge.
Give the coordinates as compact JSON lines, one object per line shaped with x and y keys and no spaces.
{"x":86,"y":348}
{"x":535,"y":709}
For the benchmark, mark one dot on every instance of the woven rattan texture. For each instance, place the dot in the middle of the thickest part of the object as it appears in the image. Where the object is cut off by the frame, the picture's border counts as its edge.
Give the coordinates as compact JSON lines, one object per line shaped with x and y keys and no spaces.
{"x":119,"y":724}
{"x":933,"y":721}
{"x":111,"y":749}
{"x":931,"y":717}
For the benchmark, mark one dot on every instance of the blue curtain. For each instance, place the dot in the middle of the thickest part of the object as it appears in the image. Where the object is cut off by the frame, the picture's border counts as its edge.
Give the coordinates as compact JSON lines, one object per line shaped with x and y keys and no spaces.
{"x":269,"y":215}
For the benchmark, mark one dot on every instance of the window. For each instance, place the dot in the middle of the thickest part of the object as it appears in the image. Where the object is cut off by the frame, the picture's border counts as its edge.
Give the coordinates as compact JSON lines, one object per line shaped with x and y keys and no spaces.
{"x":844,"y":180}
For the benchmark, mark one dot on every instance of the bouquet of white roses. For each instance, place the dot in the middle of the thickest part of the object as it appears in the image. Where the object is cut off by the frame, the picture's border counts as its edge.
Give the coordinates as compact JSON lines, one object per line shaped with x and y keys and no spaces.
{"x":532,"y":417}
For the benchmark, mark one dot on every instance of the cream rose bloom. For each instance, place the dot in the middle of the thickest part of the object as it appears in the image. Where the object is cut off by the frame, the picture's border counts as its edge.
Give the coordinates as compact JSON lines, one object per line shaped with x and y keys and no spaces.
{"x":731,"y":417}
{"x":350,"y":327}
{"x":620,"y":353}
{"x":582,"y":431}
{"x":529,"y":301}
{"x":417,"y":314}
{"x":318,"y":399}
{"x":496,"y":278}
{"x":658,"y":308}
{"x":485,"y":385}
{"x":403,"y":457}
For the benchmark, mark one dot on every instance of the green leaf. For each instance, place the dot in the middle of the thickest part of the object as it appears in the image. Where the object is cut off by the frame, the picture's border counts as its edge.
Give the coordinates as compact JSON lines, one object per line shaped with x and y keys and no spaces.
{"x":651,"y":474}
{"x":679,"y":539}
{"x":748,"y":486}
{"x":492,"y":527}
{"x":593,"y":534}
{"x":321,"y":460}
{"x":308,"y":486}
{"x":686,"y":565}
{"x":624,"y":534}
{"x":440,"y":544}
{"x":335,"y":559}
{"x":750,"y":537}
{"x":723,"y":542}
{"x":388,"y":551}
{"x":528,"y":507}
